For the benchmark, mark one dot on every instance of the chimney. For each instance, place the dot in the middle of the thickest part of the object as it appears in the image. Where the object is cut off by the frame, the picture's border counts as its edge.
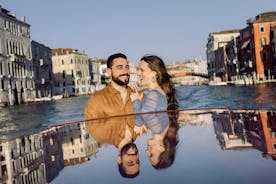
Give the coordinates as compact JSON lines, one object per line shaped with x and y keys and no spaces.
{"x":23,"y":19}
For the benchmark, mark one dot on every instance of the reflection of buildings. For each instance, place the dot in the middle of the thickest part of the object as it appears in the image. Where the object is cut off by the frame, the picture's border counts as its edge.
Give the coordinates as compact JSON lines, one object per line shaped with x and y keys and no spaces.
{"x":261,"y":131}
{"x":199,"y":119}
{"x":38,"y":158}
{"x":230,"y":131}
{"x":30,"y":159}
{"x":255,"y":129}
{"x":77,"y":145}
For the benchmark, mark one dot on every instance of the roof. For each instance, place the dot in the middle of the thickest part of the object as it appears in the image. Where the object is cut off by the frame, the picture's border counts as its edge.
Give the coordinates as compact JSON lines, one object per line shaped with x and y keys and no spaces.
{"x":63,"y":51}
{"x":263,"y":17}
{"x":227,"y":31}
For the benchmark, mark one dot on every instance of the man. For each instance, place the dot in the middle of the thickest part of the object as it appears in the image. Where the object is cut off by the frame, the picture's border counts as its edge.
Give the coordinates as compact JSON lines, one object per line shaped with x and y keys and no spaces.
{"x":114,"y":101}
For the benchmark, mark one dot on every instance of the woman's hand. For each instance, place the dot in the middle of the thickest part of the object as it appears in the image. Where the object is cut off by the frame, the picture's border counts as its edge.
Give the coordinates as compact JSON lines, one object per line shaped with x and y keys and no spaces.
{"x":136,"y":95}
{"x":140,"y":130}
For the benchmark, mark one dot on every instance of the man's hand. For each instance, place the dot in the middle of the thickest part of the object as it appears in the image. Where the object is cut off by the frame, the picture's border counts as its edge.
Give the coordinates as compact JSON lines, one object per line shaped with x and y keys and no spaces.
{"x":135,"y":95}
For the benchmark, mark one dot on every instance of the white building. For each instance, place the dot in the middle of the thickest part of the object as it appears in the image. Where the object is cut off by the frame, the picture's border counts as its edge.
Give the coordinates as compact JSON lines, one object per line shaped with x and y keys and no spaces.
{"x":71,"y":72}
{"x":215,"y":41}
{"x":16,"y":67}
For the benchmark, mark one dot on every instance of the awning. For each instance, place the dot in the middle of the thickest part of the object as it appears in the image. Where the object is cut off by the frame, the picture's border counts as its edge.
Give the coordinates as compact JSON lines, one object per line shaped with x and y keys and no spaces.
{"x":244,"y":45}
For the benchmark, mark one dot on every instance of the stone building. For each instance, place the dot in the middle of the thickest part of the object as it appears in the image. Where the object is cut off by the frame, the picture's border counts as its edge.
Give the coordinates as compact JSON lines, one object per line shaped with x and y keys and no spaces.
{"x":215,"y":52}
{"x":16,"y":67}
{"x":95,"y":73}
{"x":43,"y":70}
{"x":71,"y":72}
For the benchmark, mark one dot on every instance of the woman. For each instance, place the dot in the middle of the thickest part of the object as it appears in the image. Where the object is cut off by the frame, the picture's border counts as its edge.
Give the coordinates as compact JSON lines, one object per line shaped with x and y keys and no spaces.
{"x":151,"y":109}
{"x":159,"y":94}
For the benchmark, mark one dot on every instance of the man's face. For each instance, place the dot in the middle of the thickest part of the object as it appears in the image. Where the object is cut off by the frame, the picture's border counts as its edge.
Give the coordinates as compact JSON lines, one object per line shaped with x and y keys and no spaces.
{"x":130,"y":160}
{"x":119,"y":71}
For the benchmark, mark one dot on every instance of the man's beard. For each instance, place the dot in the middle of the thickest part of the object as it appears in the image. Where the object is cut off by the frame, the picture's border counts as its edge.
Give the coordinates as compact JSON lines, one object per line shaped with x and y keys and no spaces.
{"x":120,"y":82}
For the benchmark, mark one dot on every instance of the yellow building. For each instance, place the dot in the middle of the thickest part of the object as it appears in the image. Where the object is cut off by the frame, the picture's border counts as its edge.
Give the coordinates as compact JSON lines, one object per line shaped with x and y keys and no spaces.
{"x":71,"y":72}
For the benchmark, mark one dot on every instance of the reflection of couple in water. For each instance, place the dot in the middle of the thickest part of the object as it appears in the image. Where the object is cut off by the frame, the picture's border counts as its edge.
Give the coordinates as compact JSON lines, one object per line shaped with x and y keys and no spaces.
{"x":117,"y":99}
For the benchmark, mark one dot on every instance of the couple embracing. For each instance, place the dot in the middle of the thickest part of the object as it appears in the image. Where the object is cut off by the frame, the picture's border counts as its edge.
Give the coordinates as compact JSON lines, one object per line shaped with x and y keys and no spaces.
{"x":117,"y":103}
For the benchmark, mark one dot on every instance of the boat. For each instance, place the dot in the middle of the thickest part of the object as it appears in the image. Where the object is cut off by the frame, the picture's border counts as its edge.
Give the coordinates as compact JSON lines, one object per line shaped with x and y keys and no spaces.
{"x":57,"y":97}
{"x":213,"y":83}
{"x":43,"y":99}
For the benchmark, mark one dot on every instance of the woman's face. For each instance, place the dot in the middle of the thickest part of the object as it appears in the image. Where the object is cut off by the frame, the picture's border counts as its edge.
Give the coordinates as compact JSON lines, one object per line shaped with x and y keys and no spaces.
{"x":145,"y":74}
{"x":154,"y":150}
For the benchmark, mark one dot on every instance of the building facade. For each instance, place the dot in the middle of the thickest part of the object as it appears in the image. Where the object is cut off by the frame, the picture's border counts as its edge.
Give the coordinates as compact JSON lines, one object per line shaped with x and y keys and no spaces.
{"x":273,"y":45}
{"x":256,"y":50}
{"x":216,"y":60}
{"x":95,"y":73}
{"x":43,"y":70}
{"x":71,"y":72}
{"x":16,"y":67}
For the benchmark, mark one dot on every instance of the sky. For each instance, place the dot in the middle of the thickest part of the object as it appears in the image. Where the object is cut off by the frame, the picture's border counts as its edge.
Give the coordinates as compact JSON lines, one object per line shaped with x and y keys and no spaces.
{"x":175,"y":30}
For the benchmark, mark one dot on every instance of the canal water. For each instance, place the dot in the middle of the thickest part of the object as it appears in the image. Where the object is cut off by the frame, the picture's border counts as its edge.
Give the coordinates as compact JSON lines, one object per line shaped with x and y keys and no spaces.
{"x":19,"y":119}
{"x":232,"y":139}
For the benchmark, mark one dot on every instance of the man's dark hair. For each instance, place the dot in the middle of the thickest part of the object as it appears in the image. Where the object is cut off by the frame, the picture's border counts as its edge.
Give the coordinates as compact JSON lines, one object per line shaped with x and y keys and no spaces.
{"x":110,"y":59}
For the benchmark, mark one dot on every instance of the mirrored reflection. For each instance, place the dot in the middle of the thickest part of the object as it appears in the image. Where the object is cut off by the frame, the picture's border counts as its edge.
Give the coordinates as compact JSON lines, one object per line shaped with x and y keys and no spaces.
{"x":119,"y":132}
{"x":38,"y":157}
{"x":239,"y":129}
{"x":161,"y":145}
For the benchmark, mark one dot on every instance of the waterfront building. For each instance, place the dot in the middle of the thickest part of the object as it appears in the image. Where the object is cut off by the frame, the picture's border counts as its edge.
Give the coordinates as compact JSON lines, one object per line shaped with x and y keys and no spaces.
{"x":273,"y":46}
{"x":134,"y":79}
{"x":71,"y":72}
{"x":232,"y":64}
{"x":95,"y":73}
{"x":215,"y":52}
{"x":193,"y":72}
{"x":43,"y":70}
{"x":256,"y":59}
{"x":16,"y":67}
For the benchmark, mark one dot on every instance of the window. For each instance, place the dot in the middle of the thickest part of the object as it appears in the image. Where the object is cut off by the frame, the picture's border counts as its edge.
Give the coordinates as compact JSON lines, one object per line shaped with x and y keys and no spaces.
{"x":262,"y":29}
{"x":264,"y":57}
{"x":63,"y":74}
{"x":72,"y":141}
{"x":62,"y":62}
{"x":263,"y":41}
